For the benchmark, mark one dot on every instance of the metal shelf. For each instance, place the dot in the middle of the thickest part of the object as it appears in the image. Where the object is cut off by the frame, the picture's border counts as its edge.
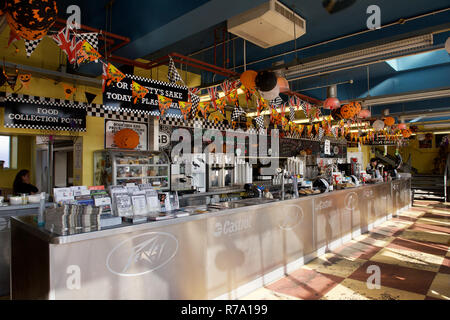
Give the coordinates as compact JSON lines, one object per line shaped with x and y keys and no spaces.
{"x":141,"y":165}
{"x":135,"y":178}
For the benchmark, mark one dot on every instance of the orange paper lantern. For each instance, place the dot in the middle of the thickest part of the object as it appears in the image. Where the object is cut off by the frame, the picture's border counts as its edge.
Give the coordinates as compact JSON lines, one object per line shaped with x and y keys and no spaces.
{"x":248,"y":79}
{"x":126,"y":139}
{"x":389,"y":121}
{"x":283,"y":84}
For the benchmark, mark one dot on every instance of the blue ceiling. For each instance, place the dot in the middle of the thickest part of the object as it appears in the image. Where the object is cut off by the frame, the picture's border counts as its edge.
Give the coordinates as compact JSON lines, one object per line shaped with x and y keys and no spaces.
{"x":157,"y":28}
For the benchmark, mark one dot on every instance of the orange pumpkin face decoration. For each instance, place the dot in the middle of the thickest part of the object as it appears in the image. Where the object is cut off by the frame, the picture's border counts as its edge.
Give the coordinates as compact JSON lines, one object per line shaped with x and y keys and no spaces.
{"x":126,"y":139}
{"x":406,"y":133}
{"x":31,"y":19}
{"x":347,"y":112}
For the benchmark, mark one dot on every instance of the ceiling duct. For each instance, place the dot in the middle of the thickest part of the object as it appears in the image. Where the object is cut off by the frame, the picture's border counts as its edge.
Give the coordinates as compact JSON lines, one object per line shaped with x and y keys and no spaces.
{"x":268,"y":25}
{"x":407,"y":97}
{"x":372,"y":54}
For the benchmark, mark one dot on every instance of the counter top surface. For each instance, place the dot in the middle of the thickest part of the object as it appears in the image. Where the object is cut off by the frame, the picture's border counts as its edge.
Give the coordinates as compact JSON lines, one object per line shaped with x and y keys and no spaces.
{"x":22,"y":207}
{"x":29,"y":223}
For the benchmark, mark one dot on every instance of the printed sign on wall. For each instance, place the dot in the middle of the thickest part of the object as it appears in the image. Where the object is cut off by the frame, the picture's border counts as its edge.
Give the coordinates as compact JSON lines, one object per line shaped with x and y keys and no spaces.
{"x":44,"y":115}
{"x":112,"y":127}
{"x":118,"y":96}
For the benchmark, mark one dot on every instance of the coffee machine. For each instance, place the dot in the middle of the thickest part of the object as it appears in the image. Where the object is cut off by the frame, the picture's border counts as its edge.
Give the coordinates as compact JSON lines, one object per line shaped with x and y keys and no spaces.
{"x":188,"y":173}
{"x":220,"y":171}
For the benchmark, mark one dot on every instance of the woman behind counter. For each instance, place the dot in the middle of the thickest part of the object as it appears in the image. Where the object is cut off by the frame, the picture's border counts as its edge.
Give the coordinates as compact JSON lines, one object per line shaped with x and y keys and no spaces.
{"x":22,"y":183}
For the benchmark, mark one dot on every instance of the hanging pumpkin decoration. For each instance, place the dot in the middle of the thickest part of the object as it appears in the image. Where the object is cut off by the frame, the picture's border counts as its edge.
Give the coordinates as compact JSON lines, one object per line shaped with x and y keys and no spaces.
{"x":25,"y":79}
{"x":358,"y":107}
{"x":389,"y":121}
{"x":336,"y":114}
{"x":31,"y":19}
{"x":248,"y":79}
{"x":347,"y":112}
{"x":126,"y":139}
{"x":406,"y":133}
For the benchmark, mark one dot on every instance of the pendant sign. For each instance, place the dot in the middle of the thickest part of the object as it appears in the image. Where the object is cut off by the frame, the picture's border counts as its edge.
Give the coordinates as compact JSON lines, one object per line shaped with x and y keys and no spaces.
{"x":118,"y":96}
{"x":44,"y":115}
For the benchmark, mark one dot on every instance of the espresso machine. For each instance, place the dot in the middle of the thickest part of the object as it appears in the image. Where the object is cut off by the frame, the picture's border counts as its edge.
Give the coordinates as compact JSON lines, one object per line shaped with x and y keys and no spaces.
{"x":188,"y":173}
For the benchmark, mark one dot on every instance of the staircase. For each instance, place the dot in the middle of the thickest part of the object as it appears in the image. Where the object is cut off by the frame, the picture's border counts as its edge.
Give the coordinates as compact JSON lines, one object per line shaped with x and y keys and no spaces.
{"x":430,"y":187}
{"x":391,"y":160}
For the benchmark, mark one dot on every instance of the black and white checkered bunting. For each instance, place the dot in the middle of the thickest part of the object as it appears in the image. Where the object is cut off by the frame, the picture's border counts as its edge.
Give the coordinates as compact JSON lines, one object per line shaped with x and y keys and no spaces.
{"x":260,"y":122}
{"x":237,"y":112}
{"x":31,"y":45}
{"x":199,"y":124}
{"x":92,"y":38}
{"x":291,"y":113}
{"x":195,"y":99}
{"x":277,"y":101}
{"x":173,"y":76}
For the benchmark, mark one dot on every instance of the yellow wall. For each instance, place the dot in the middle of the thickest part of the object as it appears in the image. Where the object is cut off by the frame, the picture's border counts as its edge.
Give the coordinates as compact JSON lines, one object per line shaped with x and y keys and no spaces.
{"x":421,"y":159}
{"x":48,"y":56}
{"x":24,"y":161}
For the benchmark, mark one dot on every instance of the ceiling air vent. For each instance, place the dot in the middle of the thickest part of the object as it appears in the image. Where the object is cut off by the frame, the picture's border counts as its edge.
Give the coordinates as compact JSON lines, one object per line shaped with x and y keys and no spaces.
{"x":268,"y":25}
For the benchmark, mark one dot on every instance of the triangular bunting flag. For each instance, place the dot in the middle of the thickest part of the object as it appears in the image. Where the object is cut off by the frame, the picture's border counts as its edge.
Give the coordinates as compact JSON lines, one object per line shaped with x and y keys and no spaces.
{"x":185,"y":108}
{"x":173,"y":74}
{"x":164,"y":104}
{"x":111,"y":74}
{"x":91,"y":37}
{"x":203,"y":107}
{"x":90,"y":97}
{"x":87,"y":54}
{"x":260,"y":122}
{"x":31,"y":45}
{"x":195,"y":100}
{"x":138,"y":91}
{"x":12,"y":80}
{"x":69,"y":46}
{"x":13,"y":37}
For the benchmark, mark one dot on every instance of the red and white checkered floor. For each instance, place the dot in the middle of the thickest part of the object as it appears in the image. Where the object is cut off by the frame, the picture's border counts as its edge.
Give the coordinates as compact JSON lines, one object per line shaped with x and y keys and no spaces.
{"x":412,"y":252}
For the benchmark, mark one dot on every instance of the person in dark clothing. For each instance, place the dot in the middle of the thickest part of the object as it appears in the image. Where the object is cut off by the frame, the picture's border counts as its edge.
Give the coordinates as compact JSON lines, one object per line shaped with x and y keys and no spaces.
{"x":22,"y":183}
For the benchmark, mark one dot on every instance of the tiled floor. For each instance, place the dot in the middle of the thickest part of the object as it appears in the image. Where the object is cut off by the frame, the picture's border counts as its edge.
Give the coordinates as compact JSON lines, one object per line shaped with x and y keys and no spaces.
{"x":411,"y":252}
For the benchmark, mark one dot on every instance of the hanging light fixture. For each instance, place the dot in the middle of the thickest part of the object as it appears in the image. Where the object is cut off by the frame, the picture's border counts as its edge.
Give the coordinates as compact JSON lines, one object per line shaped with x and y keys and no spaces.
{"x":332,"y":101}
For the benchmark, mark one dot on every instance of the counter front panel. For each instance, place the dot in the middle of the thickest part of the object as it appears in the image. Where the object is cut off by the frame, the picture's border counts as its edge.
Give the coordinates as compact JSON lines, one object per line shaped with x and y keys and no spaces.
{"x":204,"y":256}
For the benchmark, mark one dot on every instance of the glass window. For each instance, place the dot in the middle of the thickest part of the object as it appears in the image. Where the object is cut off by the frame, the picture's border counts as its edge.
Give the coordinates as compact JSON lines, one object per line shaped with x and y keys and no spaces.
{"x":5,"y":151}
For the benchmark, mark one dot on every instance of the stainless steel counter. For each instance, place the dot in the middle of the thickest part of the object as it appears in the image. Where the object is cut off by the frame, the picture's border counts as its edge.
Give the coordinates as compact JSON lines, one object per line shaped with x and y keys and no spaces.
{"x":6,"y":212}
{"x":223,"y":254}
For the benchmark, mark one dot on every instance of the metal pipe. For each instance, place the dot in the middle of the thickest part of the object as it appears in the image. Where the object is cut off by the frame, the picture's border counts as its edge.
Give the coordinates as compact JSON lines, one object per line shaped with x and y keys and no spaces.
{"x":50,"y":164}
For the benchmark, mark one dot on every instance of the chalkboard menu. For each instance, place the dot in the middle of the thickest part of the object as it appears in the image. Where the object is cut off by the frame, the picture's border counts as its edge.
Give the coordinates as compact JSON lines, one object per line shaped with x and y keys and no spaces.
{"x":292,"y":147}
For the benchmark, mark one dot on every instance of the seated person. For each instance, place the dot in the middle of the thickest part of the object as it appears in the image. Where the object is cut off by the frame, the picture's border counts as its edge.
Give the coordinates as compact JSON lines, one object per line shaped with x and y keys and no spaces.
{"x":22,"y":183}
